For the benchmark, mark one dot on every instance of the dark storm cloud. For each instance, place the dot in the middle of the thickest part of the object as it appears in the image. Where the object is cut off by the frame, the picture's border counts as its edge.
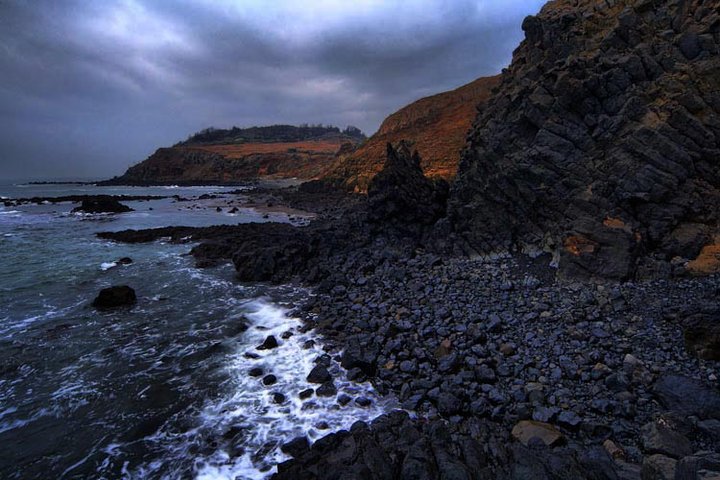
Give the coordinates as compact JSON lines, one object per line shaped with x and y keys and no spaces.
{"x":89,"y":87}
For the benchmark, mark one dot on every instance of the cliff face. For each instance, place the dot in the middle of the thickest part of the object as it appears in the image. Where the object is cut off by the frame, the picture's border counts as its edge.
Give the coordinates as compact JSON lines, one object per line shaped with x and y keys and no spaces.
{"x":216,"y":156}
{"x":603,"y":143}
{"x":436,"y":127}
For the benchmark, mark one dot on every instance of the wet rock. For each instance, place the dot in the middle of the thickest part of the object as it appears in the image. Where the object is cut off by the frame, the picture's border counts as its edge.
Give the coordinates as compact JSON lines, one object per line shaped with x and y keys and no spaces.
{"x":307,"y":393}
{"x":357,"y":355}
{"x":363,"y":401}
{"x":327,"y":389}
{"x":102,"y":204}
{"x":125,"y":261}
{"x":319,"y":374}
{"x":114,"y":297}
{"x":269,"y":343}
{"x":278,"y":398}
{"x":296,"y":447}
{"x":255,"y":372}
{"x":525,"y":430}
{"x":269,"y":380}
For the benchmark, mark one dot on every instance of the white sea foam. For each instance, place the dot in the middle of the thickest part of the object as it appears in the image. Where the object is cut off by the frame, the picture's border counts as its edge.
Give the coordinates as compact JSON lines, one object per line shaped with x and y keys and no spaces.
{"x":107,"y":265}
{"x":291,"y":364}
{"x":250,"y":406}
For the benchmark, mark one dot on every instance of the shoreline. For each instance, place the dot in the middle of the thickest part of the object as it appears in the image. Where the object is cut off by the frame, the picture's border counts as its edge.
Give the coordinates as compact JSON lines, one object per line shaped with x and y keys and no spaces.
{"x":478,"y":347}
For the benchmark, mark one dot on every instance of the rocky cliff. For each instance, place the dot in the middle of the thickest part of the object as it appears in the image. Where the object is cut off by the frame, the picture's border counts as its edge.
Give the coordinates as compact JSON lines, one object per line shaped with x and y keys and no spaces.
{"x":216,"y":156}
{"x":603,"y":143}
{"x":436,"y":127}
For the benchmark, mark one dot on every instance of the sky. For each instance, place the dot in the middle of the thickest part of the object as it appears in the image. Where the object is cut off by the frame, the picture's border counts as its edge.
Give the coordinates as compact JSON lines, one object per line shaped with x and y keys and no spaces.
{"x":90,"y":87}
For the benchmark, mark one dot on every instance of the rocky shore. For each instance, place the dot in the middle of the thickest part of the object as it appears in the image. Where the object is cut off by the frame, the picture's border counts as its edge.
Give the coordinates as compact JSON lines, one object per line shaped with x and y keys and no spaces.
{"x":507,"y":371}
{"x":554,"y":312}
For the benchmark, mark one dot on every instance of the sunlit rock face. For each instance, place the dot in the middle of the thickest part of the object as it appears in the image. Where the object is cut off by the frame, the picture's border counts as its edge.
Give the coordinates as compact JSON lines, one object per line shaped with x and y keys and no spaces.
{"x":436,"y":127}
{"x":602,"y":146}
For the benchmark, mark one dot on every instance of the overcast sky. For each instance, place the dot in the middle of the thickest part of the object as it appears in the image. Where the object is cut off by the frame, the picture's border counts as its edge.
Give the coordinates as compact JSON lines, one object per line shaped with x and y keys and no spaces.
{"x":88,"y":88}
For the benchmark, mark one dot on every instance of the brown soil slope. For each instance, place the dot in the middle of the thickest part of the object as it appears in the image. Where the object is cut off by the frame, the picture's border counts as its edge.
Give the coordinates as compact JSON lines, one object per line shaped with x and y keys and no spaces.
{"x":435,"y":126}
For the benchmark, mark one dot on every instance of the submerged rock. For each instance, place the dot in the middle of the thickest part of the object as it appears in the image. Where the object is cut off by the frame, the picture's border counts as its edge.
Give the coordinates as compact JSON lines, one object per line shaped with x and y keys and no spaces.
{"x":113,"y":297}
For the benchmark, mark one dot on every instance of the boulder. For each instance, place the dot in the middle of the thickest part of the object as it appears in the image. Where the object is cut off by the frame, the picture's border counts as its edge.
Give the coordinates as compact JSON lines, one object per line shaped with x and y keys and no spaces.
{"x":658,"y":467}
{"x":319,"y":374}
{"x":362,"y":356}
{"x":657,"y":437}
{"x":269,"y":343}
{"x":700,"y":466}
{"x":114,"y":297}
{"x":525,"y":430}
{"x":701,"y":333}
{"x":686,"y":396}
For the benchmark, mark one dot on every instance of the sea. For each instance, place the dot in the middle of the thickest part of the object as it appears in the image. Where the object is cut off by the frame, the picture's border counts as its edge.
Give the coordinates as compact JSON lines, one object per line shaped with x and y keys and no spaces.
{"x":161,"y":389}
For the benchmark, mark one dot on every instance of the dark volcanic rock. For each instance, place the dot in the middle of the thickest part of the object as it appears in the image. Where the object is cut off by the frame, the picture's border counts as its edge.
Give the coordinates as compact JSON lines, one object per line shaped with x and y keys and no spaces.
{"x":319,"y":374}
{"x":362,"y":356}
{"x":400,"y":195}
{"x":102,"y":204}
{"x":703,"y":465}
{"x":702,"y":334}
{"x":113,"y":297}
{"x":601,"y":145}
{"x":688,"y":397}
{"x":269,"y":343}
{"x":395,"y":447}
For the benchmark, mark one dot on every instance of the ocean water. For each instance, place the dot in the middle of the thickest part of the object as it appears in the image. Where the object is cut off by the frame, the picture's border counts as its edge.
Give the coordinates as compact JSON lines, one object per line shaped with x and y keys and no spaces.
{"x":159,"y":390}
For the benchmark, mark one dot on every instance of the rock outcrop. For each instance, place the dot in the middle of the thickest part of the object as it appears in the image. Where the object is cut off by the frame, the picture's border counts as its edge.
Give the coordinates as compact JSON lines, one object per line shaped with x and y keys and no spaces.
{"x":401,"y":196}
{"x":436,"y":127}
{"x":603,"y":143}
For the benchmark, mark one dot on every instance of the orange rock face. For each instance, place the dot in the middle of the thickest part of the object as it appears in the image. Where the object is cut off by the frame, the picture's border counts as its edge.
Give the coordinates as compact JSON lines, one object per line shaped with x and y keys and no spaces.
{"x":435,"y":126}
